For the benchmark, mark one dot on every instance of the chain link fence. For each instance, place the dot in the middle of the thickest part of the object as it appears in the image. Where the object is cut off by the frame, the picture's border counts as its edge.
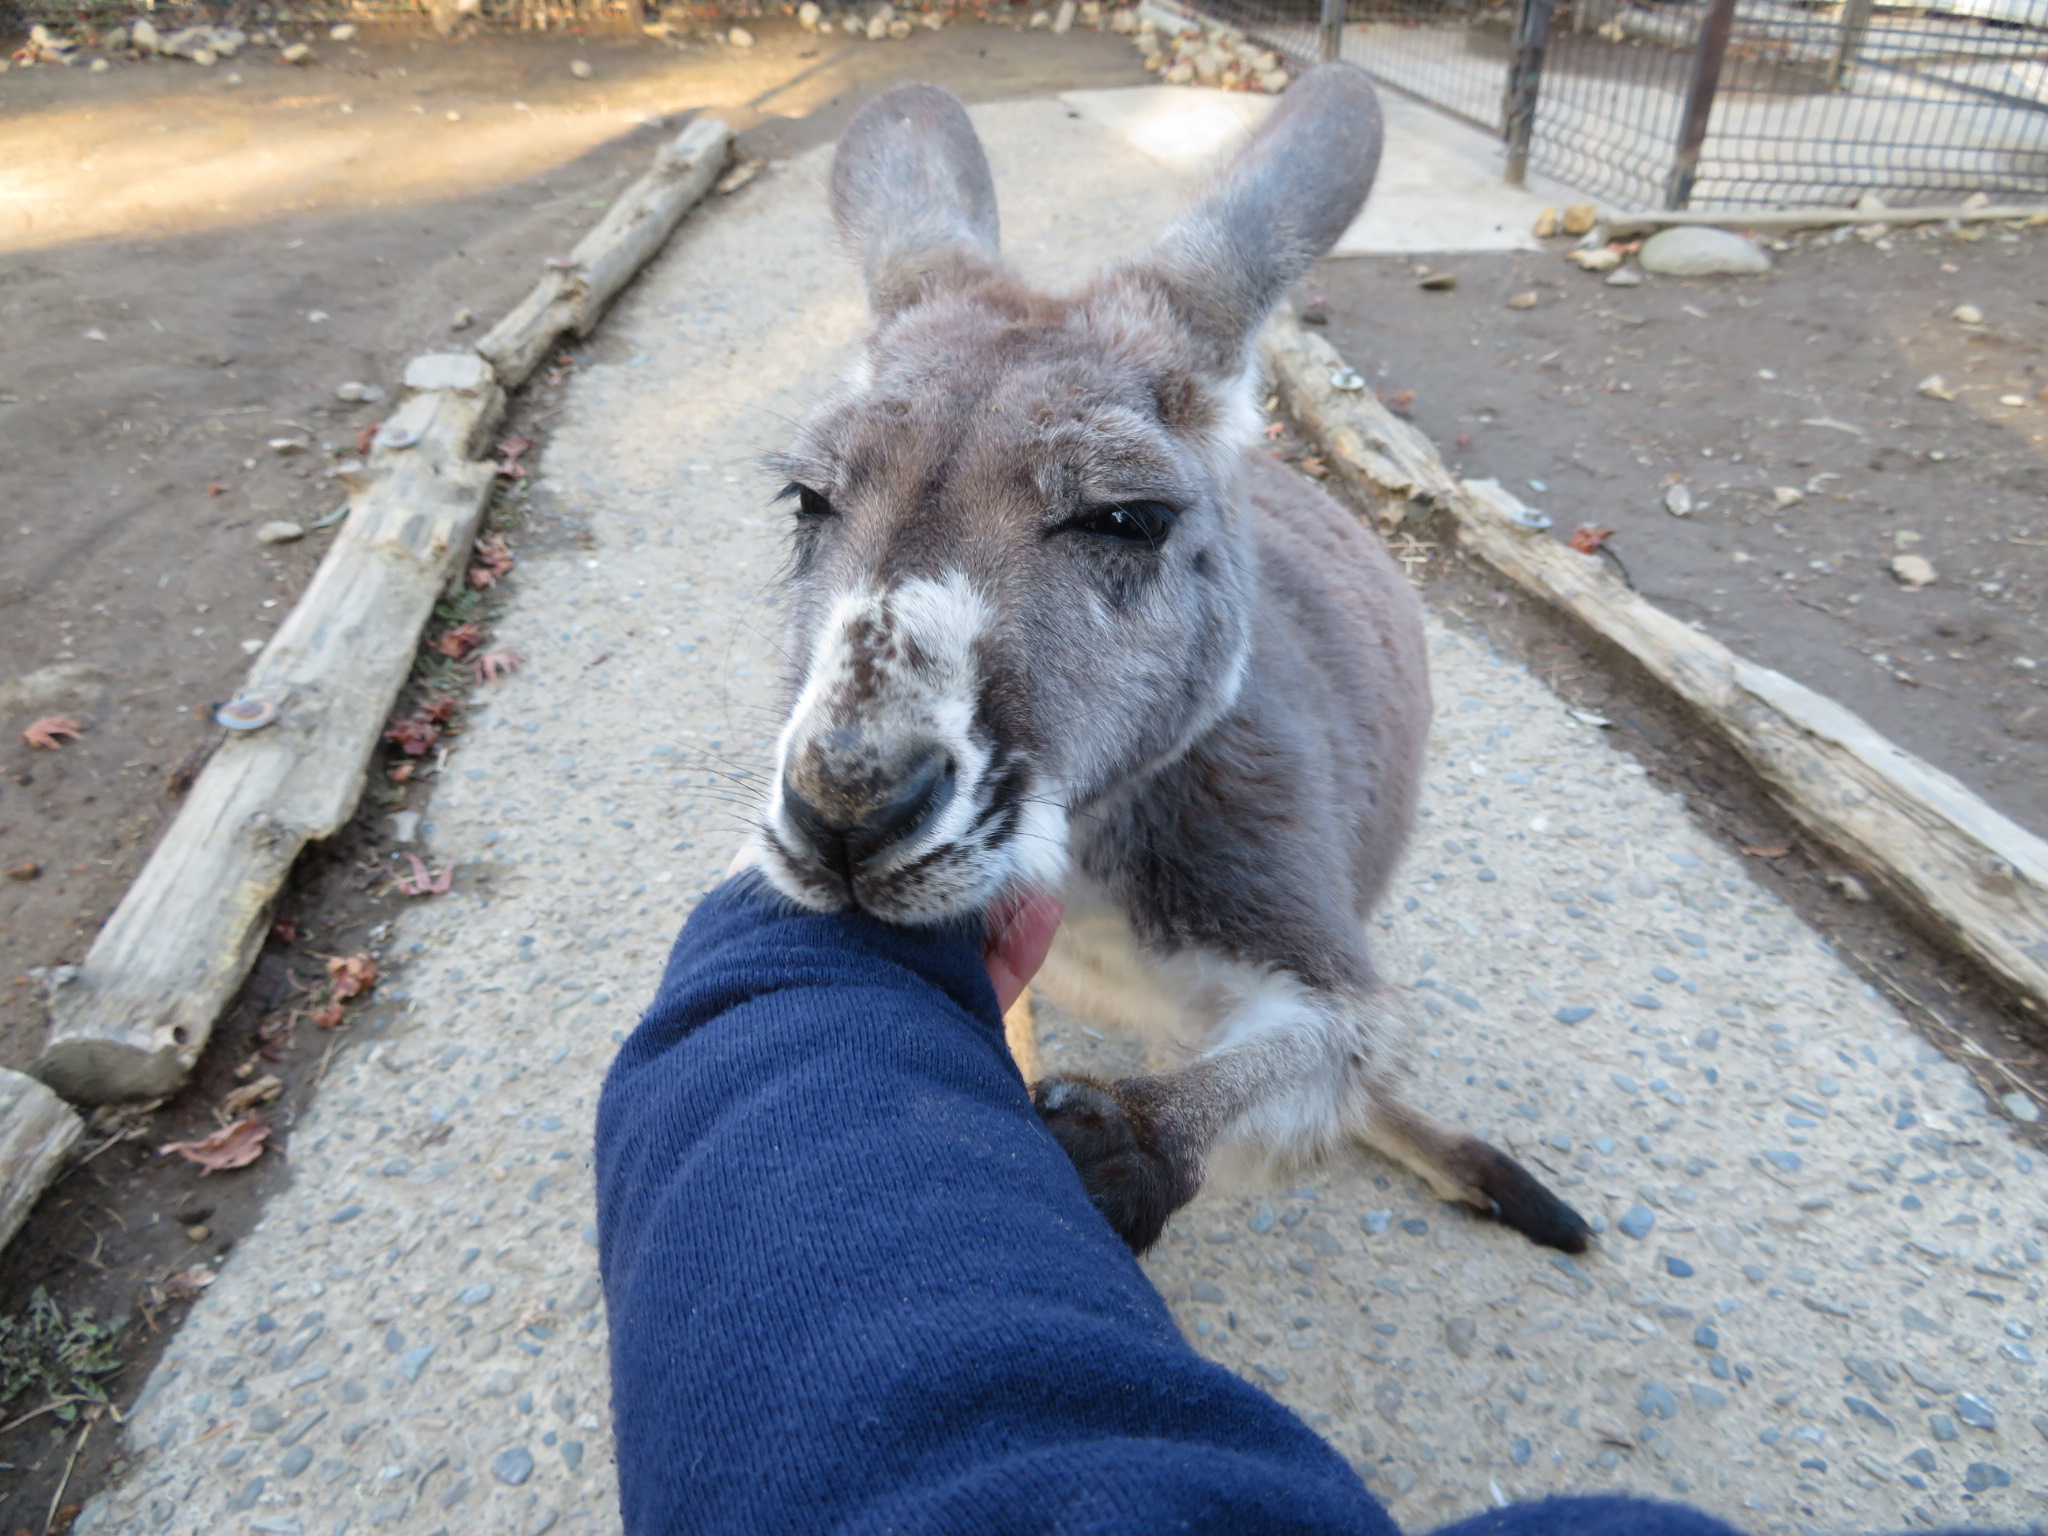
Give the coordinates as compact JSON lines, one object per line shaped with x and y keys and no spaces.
{"x":1720,"y":103}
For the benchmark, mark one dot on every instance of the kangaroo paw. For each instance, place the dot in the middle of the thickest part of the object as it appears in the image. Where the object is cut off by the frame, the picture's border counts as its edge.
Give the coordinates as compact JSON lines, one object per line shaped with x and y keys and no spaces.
{"x":1114,"y":1147}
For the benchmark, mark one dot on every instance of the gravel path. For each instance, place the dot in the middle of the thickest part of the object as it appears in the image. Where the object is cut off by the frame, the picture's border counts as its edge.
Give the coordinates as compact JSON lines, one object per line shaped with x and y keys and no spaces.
{"x":1822,"y":1254}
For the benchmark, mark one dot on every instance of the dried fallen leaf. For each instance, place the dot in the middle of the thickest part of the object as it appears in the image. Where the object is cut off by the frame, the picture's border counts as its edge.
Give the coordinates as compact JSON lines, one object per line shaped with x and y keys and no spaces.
{"x":25,"y":871}
{"x":415,"y":737}
{"x":1315,"y":467}
{"x":404,"y":772}
{"x":239,"y":1101}
{"x":1588,"y":540}
{"x":329,"y":1017}
{"x":366,"y":437}
{"x":459,"y":641}
{"x":421,"y":883}
{"x":188,"y":1284}
{"x":493,"y":665}
{"x":44,"y":732}
{"x":491,"y":560}
{"x":232,"y":1146}
{"x":509,"y":451}
{"x":1772,"y":851}
{"x":1274,"y":429}
{"x":352,"y":975}
{"x":1400,"y":402}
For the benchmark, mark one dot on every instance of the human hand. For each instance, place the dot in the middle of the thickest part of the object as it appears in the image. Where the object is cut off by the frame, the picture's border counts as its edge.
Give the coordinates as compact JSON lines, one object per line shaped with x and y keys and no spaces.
{"x":1020,"y":930}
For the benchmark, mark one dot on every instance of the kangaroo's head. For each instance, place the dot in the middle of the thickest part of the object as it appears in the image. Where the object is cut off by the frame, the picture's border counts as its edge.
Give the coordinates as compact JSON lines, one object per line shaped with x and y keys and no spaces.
{"x":1021,"y":579}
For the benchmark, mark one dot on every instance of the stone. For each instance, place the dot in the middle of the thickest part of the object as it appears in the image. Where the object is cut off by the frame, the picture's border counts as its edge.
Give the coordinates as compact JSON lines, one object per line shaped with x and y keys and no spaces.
{"x":1982,"y":1475}
{"x":1678,"y":499}
{"x":1784,"y":496}
{"x":739,"y":37}
{"x":354,"y":393}
{"x":297,"y":53}
{"x":1913,"y":570}
{"x":461,"y":373}
{"x":342,"y":32}
{"x":1974,"y":1411}
{"x":2021,"y":1107}
{"x":581,"y":69}
{"x":1657,"y":1402}
{"x":1579,"y":218}
{"x":1603,"y":258}
{"x":1063,"y":18}
{"x":1546,"y":224}
{"x":1967,"y":314}
{"x":279,"y":531}
{"x":1625,"y":277}
{"x":1700,"y":250}
{"x":1179,"y":74}
{"x":1526,"y":299}
{"x":1676,"y":1267}
{"x":1459,"y":1334}
{"x":513,"y":1466}
{"x":1637,"y":1222}
{"x":1935,"y":387}
{"x":1574,"y":1013}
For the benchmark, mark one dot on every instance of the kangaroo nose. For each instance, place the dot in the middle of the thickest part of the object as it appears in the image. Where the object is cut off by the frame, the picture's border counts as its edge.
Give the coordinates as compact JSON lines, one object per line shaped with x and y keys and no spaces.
{"x":861,"y":827}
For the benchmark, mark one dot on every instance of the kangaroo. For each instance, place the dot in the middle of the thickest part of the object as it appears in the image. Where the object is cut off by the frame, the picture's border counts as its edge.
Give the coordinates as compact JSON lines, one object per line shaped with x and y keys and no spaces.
{"x":1053,"y":624}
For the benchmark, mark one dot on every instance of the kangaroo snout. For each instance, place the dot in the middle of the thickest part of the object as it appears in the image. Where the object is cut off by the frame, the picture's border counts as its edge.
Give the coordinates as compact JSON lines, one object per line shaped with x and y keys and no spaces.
{"x":853,"y":815}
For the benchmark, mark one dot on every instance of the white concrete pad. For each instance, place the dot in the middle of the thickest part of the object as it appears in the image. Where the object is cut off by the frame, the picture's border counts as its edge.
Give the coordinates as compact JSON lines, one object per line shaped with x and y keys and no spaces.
{"x":1439,"y":188}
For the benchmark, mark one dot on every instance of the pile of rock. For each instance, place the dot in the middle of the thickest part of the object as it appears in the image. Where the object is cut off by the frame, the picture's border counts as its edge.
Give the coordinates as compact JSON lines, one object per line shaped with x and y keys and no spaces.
{"x":1185,"y":50}
{"x":882,"y":22}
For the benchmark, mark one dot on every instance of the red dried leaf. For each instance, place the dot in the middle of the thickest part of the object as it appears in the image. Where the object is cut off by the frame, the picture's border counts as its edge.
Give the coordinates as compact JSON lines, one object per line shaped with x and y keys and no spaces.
{"x":1274,"y":429}
{"x":1400,"y":402}
{"x":366,"y":437}
{"x":232,"y":1146}
{"x":459,"y":641}
{"x":509,"y":451}
{"x":352,"y":975}
{"x":420,"y":883}
{"x":328,"y":1017}
{"x":491,"y":560}
{"x":493,"y":665}
{"x":44,"y":732}
{"x":415,"y":737}
{"x":403,"y":772}
{"x":439,"y":709}
{"x":1588,"y":540}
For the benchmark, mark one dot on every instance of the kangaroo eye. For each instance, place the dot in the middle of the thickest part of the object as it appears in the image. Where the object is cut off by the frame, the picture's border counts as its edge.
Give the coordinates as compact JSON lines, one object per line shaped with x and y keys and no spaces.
{"x":810,"y":504}
{"x":1133,"y":522}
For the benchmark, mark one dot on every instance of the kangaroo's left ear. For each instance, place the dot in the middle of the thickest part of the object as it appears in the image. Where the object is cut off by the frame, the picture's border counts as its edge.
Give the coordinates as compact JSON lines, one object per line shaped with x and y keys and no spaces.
{"x":1292,"y":190}
{"x":912,"y":194}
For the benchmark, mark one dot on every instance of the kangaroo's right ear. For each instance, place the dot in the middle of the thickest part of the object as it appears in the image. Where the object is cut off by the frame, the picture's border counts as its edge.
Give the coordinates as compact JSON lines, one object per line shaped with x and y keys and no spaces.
{"x":1279,"y":206}
{"x":911,"y":193}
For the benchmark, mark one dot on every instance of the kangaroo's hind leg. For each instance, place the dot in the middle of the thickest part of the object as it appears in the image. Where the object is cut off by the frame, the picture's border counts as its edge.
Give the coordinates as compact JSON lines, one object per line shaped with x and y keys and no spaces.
{"x":1296,"y":1073}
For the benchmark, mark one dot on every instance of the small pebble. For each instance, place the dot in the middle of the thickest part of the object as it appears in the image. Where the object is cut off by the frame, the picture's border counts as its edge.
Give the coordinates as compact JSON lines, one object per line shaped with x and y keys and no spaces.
{"x":580,"y":68}
{"x":513,"y":1466}
{"x":1638,"y":1222}
{"x":1576,"y":1013}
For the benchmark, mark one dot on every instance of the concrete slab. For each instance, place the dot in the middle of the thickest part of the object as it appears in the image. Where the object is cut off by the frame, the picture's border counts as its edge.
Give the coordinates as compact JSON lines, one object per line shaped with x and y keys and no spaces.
{"x":1439,"y":190}
{"x":1823,"y":1259}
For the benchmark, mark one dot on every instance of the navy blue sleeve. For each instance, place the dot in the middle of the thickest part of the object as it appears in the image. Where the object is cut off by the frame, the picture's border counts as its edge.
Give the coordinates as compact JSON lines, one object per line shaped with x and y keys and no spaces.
{"x":854,"y":1286}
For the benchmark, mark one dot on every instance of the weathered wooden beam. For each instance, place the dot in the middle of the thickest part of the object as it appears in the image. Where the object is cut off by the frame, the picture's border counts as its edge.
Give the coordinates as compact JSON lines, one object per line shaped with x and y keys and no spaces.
{"x":572,"y":295}
{"x":36,"y":1129}
{"x":1955,"y":864}
{"x":137,"y":1013}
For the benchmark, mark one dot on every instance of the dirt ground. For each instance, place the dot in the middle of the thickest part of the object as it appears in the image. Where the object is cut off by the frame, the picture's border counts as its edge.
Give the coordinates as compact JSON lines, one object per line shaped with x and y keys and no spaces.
{"x":1594,"y":402}
{"x":191,"y":261}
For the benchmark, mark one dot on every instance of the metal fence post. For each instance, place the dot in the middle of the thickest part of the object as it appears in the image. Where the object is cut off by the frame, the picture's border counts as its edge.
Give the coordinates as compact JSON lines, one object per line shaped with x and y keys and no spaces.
{"x":1525,"y":80}
{"x":1708,"y":53}
{"x":1333,"y":29}
{"x":1855,"y":22}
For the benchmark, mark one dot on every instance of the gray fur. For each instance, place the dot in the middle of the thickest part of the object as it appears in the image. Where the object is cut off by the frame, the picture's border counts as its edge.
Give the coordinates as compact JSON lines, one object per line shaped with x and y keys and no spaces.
{"x":1212,"y":744}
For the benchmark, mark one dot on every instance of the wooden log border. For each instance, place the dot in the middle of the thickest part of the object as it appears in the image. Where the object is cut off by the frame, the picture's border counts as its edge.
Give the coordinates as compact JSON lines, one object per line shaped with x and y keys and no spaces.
{"x":36,"y":1129}
{"x":131,"y":1020}
{"x":1972,"y":876}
